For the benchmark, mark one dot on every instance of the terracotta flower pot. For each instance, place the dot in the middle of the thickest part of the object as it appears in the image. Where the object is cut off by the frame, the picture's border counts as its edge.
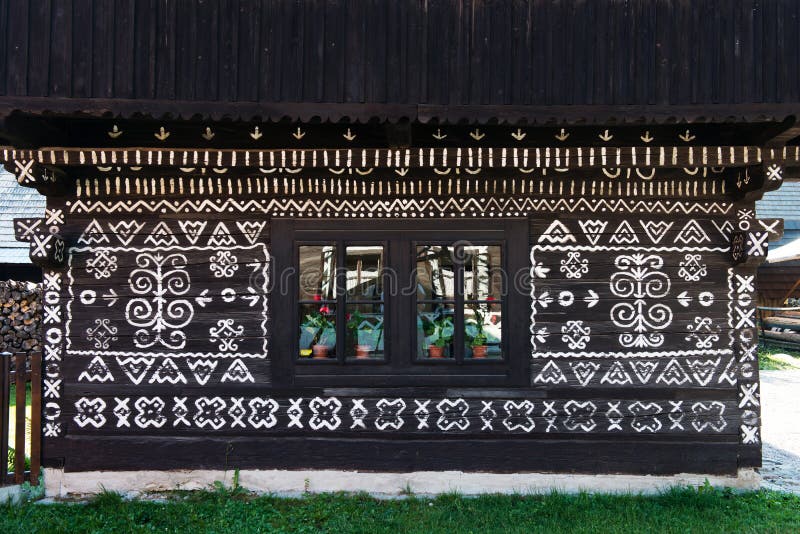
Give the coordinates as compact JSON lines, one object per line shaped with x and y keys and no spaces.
{"x":435,"y":352}
{"x":479,"y":351}
{"x":320,"y":352}
{"x":362,"y":351}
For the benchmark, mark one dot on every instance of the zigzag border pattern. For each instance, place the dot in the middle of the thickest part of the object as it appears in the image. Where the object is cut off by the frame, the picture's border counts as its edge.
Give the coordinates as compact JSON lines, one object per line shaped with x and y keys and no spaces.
{"x":401,"y":207}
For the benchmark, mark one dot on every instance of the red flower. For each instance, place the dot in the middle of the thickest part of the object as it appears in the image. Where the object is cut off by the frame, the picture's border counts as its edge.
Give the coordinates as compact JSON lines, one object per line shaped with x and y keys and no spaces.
{"x":317,"y":297}
{"x":347,"y":316}
{"x":324,"y":309}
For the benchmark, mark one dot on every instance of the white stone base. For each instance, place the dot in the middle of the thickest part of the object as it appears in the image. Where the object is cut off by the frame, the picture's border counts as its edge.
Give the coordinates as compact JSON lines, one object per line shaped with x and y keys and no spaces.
{"x":11,"y":494}
{"x":61,"y":484}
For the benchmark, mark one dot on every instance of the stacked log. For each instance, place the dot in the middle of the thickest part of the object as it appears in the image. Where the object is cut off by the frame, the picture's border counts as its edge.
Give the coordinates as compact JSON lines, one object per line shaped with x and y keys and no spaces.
{"x":20,"y":316}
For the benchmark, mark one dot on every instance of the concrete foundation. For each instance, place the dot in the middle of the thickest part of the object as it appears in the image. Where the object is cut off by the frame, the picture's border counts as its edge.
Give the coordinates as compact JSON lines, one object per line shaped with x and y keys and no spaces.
{"x":11,"y":494}
{"x":61,"y":484}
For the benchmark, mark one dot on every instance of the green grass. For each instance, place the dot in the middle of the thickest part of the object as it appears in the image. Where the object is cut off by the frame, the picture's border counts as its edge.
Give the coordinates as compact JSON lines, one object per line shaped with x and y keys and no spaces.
{"x":680,"y":510}
{"x":774,"y":359}
{"x":13,"y":396}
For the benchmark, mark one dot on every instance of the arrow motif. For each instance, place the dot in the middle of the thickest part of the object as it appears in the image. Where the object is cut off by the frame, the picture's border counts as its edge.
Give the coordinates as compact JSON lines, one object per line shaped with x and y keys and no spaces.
{"x":646,"y":137}
{"x":562,"y":135}
{"x":605,"y":136}
{"x":544,"y":299}
{"x":349,"y":136}
{"x":401,"y":172}
{"x":540,"y":271}
{"x":439,"y":135}
{"x":519,"y":135}
{"x":162,"y":134}
{"x":477,"y":135}
{"x":111,"y":297}
{"x":115,"y":132}
{"x":208,"y":135}
{"x":299,"y":134}
{"x":592,"y":299}
{"x":202,"y":299}
{"x":252,"y":298}
{"x":684,"y":299}
{"x":686,"y":137}
{"x":256,"y":134}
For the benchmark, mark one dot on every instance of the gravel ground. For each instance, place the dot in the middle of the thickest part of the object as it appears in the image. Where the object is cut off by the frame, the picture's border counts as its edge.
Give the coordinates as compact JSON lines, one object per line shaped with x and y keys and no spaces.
{"x":780,"y":412}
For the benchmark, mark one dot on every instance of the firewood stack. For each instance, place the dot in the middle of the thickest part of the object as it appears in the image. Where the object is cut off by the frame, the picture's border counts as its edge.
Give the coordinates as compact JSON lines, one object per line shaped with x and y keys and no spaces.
{"x":20,"y":316}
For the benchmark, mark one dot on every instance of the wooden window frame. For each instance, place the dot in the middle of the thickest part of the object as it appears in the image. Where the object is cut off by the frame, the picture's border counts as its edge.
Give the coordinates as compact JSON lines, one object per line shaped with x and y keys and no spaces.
{"x":400,"y":366}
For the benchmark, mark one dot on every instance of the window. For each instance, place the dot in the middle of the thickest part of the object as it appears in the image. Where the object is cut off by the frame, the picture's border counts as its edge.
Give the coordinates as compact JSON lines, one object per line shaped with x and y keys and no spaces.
{"x":459,"y":301}
{"x":399,"y":302}
{"x":348,"y":324}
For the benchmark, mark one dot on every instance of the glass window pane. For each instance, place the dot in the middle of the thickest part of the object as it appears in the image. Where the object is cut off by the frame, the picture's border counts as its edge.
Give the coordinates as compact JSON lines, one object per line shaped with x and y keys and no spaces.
{"x":435,"y":331}
{"x":364,"y":265}
{"x":365,"y":335}
{"x":483,"y":278}
{"x":435,"y":272}
{"x":483,"y":330}
{"x":317,"y":272}
{"x":317,"y":337}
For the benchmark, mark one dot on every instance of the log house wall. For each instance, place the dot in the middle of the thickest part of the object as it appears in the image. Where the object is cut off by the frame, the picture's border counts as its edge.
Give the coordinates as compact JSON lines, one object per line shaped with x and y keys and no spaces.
{"x":674,"y":392}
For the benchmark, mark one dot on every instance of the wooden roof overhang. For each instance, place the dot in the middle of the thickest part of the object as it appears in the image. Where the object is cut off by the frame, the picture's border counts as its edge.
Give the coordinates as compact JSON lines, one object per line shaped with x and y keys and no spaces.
{"x":749,"y":170}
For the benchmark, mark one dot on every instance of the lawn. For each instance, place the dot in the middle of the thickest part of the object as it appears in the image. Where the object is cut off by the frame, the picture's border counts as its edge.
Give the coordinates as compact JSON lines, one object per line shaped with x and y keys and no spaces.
{"x":770,"y":359}
{"x":679,"y":510}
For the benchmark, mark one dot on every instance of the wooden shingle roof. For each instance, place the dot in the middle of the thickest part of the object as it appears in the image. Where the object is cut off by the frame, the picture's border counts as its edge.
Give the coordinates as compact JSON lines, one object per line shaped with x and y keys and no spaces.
{"x":440,"y":60}
{"x":16,"y":202}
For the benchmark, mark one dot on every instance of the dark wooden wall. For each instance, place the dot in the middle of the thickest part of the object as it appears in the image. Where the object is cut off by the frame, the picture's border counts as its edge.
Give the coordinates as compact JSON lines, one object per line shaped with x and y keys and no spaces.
{"x":592,"y":402}
{"x":446,"y":52}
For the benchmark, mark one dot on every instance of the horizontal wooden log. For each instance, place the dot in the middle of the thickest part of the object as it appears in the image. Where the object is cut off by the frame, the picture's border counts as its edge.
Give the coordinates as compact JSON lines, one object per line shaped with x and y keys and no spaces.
{"x":781,"y":336}
{"x":538,"y":158}
{"x":319,"y":186}
{"x":86,"y":453}
{"x":787,"y":323}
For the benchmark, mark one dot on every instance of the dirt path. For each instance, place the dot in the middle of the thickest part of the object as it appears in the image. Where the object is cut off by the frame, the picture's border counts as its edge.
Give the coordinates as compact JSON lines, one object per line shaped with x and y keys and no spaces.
{"x":780,"y":412}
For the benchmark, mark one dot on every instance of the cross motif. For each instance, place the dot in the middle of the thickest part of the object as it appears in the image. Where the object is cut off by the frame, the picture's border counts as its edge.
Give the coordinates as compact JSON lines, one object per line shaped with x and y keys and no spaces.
{"x":295,"y":412}
{"x":748,"y":395}
{"x":749,"y":435}
{"x":744,"y":283}
{"x":422,"y":413}
{"x":745,"y":318}
{"x":774,"y":172}
{"x":757,"y":241}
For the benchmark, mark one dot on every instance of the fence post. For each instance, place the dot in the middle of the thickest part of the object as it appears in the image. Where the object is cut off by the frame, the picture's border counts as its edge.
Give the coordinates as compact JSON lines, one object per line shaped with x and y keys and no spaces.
{"x":36,"y":417}
{"x":5,"y":400}
{"x":19,"y":443}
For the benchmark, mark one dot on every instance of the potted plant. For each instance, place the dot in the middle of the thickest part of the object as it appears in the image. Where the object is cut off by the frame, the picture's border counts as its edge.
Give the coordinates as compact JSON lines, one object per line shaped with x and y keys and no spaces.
{"x":478,"y":341}
{"x":357,"y":326}
{"x":478,"y":345}
{"x":436,"y":351}
{"x":318,"y":322}
{"x":440,"y":334}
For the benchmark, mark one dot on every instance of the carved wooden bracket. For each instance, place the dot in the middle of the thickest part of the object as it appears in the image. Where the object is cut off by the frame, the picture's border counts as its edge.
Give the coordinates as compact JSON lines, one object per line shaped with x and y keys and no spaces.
{"x":48,"y":180}
{"x":750,"y":183}
{"x":749,"y":248}
{"x":774,"y":227}
{"x":47,"y":247}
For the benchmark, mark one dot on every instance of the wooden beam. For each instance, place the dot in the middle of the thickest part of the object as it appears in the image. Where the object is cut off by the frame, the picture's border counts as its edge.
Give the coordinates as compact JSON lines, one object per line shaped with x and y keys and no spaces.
{"x":782,"y":133}
{"x":362,"y":112}
{"x":47,"y":179}
{"x":399,"y":159}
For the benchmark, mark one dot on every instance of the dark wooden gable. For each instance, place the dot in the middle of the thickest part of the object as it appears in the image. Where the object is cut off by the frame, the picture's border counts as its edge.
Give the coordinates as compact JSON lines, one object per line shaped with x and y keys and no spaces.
{"x":437,"y":54}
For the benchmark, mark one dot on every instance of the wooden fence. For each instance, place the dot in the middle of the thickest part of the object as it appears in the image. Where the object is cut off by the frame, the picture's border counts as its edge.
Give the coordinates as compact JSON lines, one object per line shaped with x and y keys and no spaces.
{"x":780,"y":327}
{"x":26,"y":369}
